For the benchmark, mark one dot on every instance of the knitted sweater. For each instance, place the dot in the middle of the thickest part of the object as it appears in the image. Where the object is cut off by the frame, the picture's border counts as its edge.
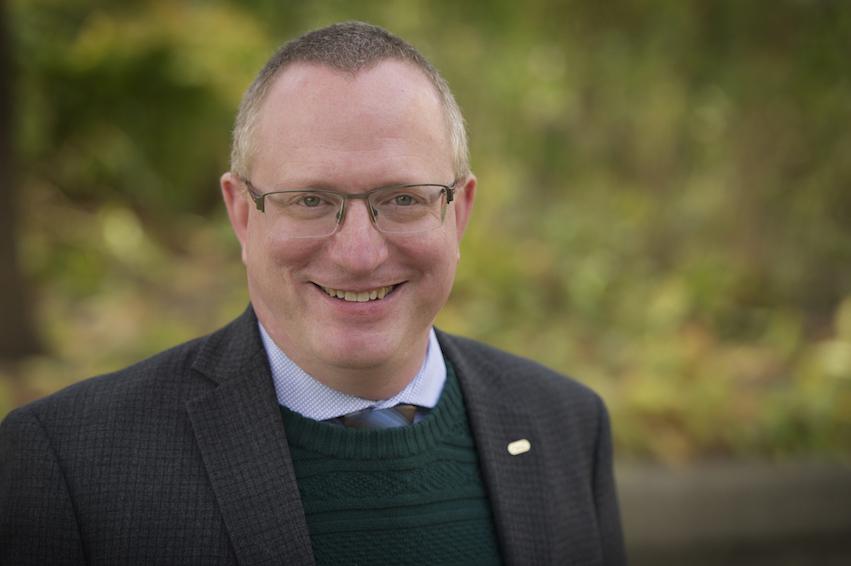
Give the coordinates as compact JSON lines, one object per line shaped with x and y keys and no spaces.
{"x":409,"y":495}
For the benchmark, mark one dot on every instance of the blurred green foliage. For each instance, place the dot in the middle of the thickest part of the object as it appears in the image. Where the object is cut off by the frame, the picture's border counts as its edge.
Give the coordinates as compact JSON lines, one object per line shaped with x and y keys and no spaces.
{"x":664,"y":207}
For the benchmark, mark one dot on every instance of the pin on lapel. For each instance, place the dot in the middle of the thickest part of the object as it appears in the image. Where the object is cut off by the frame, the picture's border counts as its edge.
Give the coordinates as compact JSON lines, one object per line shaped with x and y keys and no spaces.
{"x":519,"y":447}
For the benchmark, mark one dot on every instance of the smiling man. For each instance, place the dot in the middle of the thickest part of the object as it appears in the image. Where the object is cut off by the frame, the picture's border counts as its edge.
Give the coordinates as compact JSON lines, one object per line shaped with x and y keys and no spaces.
{"x":316,"y":260}
{"x":330,"y":423}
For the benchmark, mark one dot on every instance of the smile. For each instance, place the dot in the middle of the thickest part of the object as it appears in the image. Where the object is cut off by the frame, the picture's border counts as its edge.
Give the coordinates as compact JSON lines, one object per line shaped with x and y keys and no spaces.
{"x":358,"y":296}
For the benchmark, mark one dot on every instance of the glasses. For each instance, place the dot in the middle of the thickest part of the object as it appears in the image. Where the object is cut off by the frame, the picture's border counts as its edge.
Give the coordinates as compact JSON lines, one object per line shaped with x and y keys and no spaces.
{"x":316,"y":213}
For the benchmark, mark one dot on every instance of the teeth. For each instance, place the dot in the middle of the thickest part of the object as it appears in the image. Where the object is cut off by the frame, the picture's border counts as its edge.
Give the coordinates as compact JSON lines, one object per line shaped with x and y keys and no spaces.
{"x":361,"y":297}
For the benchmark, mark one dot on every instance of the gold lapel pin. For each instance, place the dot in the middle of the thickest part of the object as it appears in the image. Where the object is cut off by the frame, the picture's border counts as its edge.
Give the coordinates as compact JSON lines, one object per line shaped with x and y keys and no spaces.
{"x":519,"y":447}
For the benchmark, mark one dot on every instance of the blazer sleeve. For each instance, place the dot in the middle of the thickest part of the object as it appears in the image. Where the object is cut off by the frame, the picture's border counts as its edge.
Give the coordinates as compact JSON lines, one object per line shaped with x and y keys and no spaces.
{"x":38,"y":524}
{"x":605,"y":494}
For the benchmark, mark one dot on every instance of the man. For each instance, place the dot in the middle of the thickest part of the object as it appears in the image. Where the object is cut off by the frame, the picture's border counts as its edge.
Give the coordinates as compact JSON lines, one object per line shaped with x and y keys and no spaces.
{"x":267,"y":441}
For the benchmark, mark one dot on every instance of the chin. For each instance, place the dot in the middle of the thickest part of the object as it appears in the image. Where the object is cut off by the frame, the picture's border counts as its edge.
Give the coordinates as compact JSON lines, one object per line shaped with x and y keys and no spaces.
{"x":358,"y":350}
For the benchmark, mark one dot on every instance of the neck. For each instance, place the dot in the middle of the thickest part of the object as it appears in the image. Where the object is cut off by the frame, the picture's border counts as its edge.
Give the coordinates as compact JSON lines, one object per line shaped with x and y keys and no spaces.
{"x":374,"y":383}
{"x":368,"y":381}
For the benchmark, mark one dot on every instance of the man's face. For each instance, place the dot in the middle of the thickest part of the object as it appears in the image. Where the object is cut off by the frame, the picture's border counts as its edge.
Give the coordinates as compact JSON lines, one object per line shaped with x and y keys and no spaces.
{"x":320,"y":128}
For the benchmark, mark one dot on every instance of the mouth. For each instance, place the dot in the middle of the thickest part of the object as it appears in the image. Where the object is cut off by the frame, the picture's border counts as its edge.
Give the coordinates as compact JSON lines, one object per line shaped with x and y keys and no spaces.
{"x":376,"y":294}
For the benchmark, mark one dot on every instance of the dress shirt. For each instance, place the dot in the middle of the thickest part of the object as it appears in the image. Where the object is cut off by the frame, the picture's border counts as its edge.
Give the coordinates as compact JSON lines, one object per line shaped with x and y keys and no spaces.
{"x":300,"y":392}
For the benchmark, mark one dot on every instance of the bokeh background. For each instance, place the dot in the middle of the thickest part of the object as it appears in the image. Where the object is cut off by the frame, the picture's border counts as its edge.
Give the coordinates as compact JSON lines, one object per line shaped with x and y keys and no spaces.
{"x":664,"y":208}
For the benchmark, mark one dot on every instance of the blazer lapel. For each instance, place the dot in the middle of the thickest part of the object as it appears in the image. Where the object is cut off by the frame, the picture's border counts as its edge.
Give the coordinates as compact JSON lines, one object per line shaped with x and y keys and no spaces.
{"x":517,"y":483}
{"x":241,"y":438}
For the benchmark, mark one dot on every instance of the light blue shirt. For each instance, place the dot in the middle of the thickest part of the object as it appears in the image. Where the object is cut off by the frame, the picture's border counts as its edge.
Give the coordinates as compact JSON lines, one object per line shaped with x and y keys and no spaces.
{"x":300,"y":392}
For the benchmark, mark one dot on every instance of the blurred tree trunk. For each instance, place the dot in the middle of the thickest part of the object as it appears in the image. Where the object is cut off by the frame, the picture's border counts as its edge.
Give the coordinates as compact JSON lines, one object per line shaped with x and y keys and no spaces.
{"x":17,"y":335}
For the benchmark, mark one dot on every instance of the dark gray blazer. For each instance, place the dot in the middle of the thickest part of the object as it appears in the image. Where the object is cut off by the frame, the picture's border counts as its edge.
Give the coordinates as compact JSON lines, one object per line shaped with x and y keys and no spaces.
{"x":182,"y":459}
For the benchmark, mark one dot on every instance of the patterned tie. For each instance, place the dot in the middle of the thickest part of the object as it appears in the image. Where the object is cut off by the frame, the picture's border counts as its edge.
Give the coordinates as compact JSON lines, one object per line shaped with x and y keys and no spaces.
{"x":392,"y":417}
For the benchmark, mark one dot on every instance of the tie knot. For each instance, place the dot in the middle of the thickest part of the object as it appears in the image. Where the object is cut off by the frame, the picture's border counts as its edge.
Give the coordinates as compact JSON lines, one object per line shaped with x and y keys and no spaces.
{"x":391,"y":417}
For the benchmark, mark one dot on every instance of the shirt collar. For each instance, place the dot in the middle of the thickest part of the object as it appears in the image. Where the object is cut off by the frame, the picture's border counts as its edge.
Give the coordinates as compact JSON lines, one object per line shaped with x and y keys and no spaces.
{"x":300,"y":392}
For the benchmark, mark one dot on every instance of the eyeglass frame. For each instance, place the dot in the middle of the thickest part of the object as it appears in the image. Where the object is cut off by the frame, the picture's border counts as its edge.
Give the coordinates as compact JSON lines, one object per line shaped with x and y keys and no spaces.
{"x":259,"y":200}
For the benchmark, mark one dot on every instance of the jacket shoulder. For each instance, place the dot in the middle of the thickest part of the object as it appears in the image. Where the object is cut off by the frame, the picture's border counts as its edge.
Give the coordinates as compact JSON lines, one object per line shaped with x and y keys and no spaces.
{"x":515,"y":376}
{"x":163,"y":372}
{"x":164,"y":379}
{"x":162,"y":382}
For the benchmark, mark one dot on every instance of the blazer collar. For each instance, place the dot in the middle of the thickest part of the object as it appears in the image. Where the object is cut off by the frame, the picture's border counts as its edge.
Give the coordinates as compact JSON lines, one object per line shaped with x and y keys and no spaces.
{"x":240,"y":434}
{"x":517,"y":485}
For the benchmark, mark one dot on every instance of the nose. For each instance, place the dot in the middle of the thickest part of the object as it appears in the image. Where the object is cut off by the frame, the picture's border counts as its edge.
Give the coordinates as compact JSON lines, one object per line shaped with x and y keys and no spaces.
{"x":357,"y":246}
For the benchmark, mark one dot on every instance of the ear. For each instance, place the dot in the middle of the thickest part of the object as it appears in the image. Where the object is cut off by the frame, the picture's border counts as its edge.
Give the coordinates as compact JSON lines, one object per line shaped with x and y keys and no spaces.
{"x":238,"y":207}
{"x":464,"y":197}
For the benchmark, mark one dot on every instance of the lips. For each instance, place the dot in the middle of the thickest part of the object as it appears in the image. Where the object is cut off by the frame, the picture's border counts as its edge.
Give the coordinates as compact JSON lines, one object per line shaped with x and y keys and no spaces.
{"x":358,"y":296}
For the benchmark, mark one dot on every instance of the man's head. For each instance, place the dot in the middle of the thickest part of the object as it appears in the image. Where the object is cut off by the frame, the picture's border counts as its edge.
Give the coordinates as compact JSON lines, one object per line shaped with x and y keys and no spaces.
{"x":348,"y":109}
{"x":348,"y":47}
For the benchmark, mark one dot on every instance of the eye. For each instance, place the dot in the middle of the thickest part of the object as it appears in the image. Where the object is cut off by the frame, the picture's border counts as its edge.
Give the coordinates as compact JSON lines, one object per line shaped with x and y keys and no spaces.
{"x":403,"y":200}
{"x":310,"y":201}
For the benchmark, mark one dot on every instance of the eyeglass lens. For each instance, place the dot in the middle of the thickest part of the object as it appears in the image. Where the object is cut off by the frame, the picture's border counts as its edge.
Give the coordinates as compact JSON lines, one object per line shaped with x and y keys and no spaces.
{"x":316,"y":213}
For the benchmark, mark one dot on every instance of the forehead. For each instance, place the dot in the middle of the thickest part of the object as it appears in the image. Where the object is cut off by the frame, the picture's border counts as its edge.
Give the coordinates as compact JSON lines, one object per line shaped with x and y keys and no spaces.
{"x":315,"y":117}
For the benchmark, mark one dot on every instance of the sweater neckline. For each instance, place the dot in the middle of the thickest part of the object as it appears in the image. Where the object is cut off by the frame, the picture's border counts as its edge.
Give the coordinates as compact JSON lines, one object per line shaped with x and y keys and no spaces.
{"x":350,"y":443}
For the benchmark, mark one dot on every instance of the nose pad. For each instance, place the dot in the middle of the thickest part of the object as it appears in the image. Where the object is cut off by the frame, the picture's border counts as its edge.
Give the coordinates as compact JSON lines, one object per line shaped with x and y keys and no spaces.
{"x":358,"y":248}
{"x":371,"y":211}
{"x":341,"y":216}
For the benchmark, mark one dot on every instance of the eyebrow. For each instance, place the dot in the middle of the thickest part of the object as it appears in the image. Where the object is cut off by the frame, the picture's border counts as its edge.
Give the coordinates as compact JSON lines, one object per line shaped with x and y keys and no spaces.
{"x":319,"y":186}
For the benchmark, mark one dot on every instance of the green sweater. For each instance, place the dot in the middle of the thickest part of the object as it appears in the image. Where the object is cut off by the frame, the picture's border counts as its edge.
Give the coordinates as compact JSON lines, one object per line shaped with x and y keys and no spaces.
{"x":409,"y":495}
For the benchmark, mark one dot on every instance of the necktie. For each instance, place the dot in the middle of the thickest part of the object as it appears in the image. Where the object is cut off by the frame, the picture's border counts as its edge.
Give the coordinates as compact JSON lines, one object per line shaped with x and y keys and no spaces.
{"x":392,"y":417}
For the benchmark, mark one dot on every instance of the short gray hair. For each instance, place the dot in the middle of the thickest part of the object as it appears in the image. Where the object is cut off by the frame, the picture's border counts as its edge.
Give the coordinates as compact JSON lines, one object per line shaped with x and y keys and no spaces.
{"x":348,"y":47}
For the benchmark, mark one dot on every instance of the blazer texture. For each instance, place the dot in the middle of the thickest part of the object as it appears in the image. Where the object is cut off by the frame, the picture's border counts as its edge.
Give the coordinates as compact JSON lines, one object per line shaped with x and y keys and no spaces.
{"x":183,"y":459}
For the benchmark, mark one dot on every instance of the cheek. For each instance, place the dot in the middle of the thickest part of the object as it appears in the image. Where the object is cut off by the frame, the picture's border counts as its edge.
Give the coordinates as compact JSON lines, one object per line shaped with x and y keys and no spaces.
{"x":436,"y":257}
{"x":273,"y":255}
